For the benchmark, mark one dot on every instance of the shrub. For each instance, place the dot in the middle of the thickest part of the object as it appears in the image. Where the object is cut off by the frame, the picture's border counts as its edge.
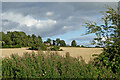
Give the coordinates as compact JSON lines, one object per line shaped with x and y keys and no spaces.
{"x":110,"y":60}
{"x":52,"y":65}
{"x":55,"y":48}
{"x":41,"y":47}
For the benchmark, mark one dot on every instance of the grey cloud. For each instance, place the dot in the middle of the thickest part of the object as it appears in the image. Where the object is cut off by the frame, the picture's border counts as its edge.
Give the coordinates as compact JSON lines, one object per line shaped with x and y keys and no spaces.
{"x":62,"y":11}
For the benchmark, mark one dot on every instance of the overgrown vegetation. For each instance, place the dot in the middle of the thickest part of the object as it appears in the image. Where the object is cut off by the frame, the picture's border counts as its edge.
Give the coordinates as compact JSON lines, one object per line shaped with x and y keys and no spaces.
{"x":52,"y":65}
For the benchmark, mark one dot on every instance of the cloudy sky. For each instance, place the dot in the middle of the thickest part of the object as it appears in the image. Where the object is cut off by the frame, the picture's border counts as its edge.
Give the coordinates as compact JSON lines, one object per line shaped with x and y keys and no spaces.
{"x":53,"y":20}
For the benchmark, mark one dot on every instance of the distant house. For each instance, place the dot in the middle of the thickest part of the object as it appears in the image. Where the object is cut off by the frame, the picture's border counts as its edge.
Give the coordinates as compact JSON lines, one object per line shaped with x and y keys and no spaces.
{"x":48,"y":44}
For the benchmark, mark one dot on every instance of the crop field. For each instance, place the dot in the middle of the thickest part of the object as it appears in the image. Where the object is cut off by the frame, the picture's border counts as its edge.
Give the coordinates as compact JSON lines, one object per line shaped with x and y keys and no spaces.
{"x":86,"y":53}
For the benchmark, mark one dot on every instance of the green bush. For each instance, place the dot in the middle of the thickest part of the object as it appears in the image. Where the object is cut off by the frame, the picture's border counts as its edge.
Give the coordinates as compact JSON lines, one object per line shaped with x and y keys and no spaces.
{"x":52,"y":65}
{"x":55,"y":48}
{"x":41,"y":47}
{"x":110,"y":58}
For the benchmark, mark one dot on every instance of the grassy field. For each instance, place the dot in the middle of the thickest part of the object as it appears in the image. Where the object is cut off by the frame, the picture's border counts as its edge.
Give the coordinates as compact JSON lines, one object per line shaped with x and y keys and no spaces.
{"x":86,"y":53}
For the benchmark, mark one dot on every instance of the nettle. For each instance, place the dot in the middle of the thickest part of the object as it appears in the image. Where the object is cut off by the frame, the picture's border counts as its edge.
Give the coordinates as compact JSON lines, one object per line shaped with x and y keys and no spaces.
{"x":108,"y":36}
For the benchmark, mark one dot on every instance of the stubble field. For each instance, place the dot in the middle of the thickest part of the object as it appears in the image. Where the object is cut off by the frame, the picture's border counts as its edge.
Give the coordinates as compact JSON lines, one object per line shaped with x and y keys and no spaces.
{"x":86,"y":53}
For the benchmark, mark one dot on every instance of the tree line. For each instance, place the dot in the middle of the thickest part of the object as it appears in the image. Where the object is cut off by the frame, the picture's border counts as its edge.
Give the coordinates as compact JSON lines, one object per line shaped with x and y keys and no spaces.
{"x":17,"y":39}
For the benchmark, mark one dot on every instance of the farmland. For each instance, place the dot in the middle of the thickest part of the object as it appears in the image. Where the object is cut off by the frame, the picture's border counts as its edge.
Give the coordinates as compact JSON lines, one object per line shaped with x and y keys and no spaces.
{"x":86,"y":53}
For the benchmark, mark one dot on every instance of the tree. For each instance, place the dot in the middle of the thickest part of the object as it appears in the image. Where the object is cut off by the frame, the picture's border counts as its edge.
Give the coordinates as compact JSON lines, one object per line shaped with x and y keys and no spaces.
{"x":19,"y":39}
{"x":40,"y":39}
{"x":49,"y":41}
{"x":62,"y":43}
{"x":73,"y":43}
{"x":58,"y":41}
{"x":53,"y":42}
{"x":34,"y":39}
{"x":110,"y":32}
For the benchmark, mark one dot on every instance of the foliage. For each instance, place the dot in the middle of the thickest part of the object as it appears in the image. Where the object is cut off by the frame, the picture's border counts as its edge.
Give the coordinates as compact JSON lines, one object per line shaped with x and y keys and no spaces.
{"x":19,"y":39}
{"x":49,"y":41}
{"x":54,"y":42}
{"x":110,"y":31}
{"x":55,"y":48}
{"x":52,"y":65}
{"x":58,"y":41}
{"x":40,"y":47}
{"x":73,"y":43}
{"x":62,"y":43}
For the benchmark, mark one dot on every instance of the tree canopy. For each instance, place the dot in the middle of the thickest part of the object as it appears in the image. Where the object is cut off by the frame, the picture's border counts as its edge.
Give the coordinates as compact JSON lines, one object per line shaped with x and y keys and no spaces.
{"x":73,"y":43}
{"x":19,"y":39}
{"x":110,"y":32}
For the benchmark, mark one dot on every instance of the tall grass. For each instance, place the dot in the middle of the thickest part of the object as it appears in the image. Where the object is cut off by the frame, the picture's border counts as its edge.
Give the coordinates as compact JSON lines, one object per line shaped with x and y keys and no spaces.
{"x":52,"y":65}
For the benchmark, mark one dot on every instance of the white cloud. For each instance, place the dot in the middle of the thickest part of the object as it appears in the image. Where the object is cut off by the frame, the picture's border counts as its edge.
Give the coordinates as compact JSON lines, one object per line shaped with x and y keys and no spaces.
{"x":15,"y":21}
{"x":28,"y":20}
{"x":49,"y":13}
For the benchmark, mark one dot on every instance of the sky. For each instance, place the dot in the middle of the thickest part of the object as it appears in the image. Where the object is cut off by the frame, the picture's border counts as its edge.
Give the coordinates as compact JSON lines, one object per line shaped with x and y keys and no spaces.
{"x":64,"y":20}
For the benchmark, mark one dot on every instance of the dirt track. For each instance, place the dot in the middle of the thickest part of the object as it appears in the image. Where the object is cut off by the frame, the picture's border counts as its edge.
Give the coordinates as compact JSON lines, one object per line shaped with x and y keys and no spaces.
{"x":86,"y":53}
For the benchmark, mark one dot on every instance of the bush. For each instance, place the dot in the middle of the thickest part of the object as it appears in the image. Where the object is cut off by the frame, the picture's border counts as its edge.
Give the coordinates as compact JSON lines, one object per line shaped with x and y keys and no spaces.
{"x":41,"y":47}
{"x":52,"y":65}
{"x":55,"y":48}
{"x":110,"y":58}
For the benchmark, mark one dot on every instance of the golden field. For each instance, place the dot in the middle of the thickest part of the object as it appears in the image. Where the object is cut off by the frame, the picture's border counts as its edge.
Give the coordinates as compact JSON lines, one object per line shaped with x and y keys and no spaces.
{"x":86,"y":53}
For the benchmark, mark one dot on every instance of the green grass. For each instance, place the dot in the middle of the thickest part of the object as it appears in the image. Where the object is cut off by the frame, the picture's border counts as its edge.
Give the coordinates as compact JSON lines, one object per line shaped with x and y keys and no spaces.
{"x":52,"y":65}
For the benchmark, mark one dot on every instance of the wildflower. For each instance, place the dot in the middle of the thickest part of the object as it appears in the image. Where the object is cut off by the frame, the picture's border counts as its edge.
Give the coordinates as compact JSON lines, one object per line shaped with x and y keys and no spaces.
{"x":98,"y":62}
{"x":43,"y":74}
{"x":111,"y":76}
